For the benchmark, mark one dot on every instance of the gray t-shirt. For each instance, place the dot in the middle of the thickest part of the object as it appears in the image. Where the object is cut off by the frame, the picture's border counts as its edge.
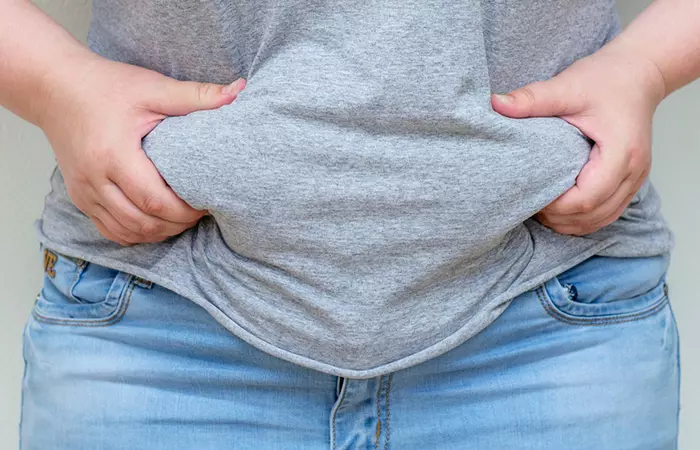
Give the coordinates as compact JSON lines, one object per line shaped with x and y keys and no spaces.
{"x":369,"y":208}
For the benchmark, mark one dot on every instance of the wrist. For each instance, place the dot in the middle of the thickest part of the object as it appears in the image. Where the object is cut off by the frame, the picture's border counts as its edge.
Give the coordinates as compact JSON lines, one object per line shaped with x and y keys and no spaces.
{"x":61,"y":82}
{"x":643,"y":70}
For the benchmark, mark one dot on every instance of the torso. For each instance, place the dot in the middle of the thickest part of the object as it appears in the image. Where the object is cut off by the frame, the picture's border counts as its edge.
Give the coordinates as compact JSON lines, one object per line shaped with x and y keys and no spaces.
{"x":362,"y":171}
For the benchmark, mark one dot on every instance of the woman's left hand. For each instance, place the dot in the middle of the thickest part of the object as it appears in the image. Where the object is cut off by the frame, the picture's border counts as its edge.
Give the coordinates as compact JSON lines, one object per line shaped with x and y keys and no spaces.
{"x":611,"y":97}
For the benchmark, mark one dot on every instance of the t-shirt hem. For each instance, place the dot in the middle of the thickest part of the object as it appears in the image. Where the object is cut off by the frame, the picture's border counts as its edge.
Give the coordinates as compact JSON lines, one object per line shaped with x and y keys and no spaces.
{"x":490,"y":312}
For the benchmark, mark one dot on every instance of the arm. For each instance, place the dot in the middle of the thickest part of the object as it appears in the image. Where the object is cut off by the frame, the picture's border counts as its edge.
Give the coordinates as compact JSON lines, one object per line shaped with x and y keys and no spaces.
{"x":94,"y":113}
{"x":611,"y":96}
{"x":667,"y":33}
{"x":35,"y":52}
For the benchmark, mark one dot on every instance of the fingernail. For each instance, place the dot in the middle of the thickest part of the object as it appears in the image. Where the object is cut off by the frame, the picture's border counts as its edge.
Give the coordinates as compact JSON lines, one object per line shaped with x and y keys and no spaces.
{"x":234,"y":87}
{"x":508,"y":99}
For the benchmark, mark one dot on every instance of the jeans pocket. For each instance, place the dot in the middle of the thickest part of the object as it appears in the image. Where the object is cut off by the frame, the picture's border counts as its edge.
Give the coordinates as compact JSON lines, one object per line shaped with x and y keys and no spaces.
{"x":605,"y":291}
{"x":77,"y":292}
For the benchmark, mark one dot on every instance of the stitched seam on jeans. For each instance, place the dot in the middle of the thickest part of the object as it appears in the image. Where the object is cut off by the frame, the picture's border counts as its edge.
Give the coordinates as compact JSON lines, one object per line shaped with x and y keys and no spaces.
{"x":388,"y":413}
{"x":378,"y":433}
{"x":651,"y":307}
{"x":552,"y":311}
{"x":334,"y":413}
{"x":80,"y":269}
{"x":598,"y":321}
{"x":113,"y":318}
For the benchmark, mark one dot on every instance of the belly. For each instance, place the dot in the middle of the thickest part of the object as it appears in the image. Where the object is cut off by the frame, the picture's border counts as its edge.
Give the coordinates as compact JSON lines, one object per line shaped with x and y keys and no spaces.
{"x":301,"y":179}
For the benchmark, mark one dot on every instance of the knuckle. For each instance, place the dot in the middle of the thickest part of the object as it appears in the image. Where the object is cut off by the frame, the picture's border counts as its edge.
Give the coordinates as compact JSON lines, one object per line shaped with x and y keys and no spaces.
{"x":150,"y":228}
{"x":105,"y":157}
{"x":551,"y":210}
{"x":203,"y":90}
{"x":587,"y":206}
{"x":555,"y":213}
{"x":81,"y":176}
{"x":527,"y":95}
{"x":578,"y":222}
{"x":152,"y":206}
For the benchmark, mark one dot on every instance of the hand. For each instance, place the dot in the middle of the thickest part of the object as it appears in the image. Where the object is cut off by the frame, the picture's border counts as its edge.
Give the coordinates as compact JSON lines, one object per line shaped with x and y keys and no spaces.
{"x":610,"y":97}
{"x":95,"y":118}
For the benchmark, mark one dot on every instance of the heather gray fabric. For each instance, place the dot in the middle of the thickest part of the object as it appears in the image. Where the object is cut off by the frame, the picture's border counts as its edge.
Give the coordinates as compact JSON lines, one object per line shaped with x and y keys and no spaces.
{"x":369,"y":209}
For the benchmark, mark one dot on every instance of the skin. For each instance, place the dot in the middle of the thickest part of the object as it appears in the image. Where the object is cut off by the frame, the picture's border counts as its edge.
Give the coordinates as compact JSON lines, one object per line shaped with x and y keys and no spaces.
{"x":95,"y":112}
{"x":611,"y":96}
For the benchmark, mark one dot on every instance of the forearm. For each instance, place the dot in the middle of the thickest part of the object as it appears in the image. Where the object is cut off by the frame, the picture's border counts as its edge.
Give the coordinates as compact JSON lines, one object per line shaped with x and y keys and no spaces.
{"x":668,"y":34}
{"x":35,"y":54}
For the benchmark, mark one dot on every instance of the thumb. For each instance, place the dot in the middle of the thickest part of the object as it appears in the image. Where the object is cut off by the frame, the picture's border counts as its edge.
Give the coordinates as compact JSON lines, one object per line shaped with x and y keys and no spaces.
{"x":177,"y":98}
{"x":541,"y":99}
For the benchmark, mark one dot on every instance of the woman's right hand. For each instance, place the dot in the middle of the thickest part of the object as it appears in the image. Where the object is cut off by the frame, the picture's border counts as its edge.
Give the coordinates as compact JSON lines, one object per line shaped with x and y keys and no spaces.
{"x":95,"y":116}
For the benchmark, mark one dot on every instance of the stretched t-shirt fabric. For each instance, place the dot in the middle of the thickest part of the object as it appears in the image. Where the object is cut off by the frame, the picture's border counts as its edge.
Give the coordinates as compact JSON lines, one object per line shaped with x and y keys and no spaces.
{"x":369,"y":208}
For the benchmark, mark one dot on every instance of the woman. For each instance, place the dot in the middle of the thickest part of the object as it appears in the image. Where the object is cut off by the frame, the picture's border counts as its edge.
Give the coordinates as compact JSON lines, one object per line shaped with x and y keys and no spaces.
{"x":303,"y":224}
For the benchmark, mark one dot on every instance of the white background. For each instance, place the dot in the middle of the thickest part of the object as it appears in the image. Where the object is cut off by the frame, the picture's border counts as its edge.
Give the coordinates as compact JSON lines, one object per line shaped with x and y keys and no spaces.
{"x":26,"y":162}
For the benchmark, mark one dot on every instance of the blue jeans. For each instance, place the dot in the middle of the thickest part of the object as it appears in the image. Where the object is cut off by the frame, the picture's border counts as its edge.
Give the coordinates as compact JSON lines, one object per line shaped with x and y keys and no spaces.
{"x":589,"y":360}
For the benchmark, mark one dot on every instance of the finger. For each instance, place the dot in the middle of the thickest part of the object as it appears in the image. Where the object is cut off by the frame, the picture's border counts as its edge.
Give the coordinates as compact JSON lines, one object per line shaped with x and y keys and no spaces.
{"x":177,"y":98}
{"x":605,"y":220}
{"x":549,"y":98}
{"x":118,"y":230}
{"x":132,"y":218}
{"x":616,"y":214}
{"x":582,"y":229}
{"x":104,"y":231}
{"x":571,"y":230}
{"x":83,"y":195}
{"x":114,"y":227}
{"x":599,"y":179}
{"x":628,"y":188}
{"x":140,"y":181}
